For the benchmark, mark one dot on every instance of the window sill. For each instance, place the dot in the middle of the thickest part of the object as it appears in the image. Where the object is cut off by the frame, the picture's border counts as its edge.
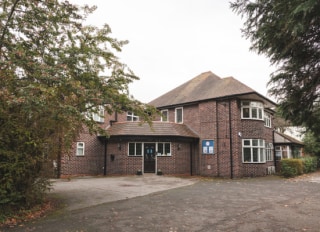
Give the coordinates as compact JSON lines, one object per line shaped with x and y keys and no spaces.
{"x":255,"y":119}
{"x":254,"y":162}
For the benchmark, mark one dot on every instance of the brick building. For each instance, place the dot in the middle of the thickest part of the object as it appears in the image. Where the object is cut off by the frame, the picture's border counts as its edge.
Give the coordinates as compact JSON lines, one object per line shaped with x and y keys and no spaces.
{"x":210,"y":126}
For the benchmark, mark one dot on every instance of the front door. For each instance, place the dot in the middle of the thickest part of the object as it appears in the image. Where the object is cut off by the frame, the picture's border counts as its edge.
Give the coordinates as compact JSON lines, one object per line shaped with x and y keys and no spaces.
{"x":150,"y":157}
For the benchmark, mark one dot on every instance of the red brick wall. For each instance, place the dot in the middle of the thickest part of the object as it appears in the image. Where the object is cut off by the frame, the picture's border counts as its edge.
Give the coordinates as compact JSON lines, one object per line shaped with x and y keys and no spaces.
{"x":211,"y":120}
{"x":177,"y":163}
{"x":89,"y":164}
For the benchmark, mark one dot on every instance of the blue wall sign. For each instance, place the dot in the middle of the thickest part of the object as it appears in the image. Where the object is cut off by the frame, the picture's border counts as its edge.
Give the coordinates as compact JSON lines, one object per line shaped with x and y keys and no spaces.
{"x":208,"y":147}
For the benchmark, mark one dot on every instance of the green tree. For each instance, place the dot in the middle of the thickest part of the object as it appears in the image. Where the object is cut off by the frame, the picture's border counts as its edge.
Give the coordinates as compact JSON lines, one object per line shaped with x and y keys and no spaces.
{"x":312,"y":143}
{"x":288,"y":32}
{"x":54,"y":72}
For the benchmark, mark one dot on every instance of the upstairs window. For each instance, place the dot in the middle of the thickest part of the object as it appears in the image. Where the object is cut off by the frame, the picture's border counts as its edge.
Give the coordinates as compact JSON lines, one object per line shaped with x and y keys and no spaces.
{"x":99,"y":115}
{"x":95,"y":113}
{"x":131,"y":117}
{"x":164,"y":116}
{"x":252,"y":110}
{"x":179,"y":115}
{"x":267,"y":120}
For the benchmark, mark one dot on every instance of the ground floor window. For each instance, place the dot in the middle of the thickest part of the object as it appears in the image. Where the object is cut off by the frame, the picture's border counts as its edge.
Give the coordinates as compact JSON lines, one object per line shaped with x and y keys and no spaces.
{"x":164,"y":149}
{"x":269,"y":148}
{"x":253,"y":151}
{"x":80,"y":149}
{"x":283,"y":152}
{"x":137,"y":149}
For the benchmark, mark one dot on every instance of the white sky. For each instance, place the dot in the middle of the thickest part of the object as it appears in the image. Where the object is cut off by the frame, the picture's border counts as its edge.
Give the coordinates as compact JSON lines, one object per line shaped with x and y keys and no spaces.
{"x":172,"y":41}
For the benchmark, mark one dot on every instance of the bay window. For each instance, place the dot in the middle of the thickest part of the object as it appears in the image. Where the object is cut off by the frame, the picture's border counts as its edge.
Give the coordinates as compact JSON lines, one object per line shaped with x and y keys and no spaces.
{"x":252,"y":110}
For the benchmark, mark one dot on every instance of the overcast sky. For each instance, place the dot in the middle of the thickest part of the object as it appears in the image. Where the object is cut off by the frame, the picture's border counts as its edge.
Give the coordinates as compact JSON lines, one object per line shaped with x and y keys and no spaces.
{"x":172,"y":41}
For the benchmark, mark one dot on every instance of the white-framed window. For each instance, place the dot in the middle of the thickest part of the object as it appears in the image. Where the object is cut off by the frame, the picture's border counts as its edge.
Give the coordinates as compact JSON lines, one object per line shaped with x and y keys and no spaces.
{"x":253,"y":151}
{"x":179,"y":115}
{"x":99,"y":115}
{"x":95,"y":113}
{"x":267,"y":120}
{"x":135,"y":149}
{"x":282,"y":152}
{"x":164,"y":149}
{"x":164,"y":115}
{"x":252,"y":110}
{"x":269,"y":148}
{"x":80,"y":149}
{"x":131,"y":117}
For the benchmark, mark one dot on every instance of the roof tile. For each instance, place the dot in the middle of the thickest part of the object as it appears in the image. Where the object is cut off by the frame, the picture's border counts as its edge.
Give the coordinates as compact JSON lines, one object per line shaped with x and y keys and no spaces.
{"x":156,"y":129}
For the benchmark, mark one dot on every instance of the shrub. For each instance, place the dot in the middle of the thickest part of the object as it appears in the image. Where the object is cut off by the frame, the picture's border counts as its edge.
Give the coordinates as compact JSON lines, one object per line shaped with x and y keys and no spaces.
{"x":291,"y":167}
{"x":309,"y":164}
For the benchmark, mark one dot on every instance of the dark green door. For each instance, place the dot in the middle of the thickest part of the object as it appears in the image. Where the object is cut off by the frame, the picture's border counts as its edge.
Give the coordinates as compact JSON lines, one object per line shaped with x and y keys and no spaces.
{"x":149,"y":157}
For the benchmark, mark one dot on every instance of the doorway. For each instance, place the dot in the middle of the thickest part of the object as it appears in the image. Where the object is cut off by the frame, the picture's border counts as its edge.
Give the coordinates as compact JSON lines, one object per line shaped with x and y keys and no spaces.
{"x":149,"y":157}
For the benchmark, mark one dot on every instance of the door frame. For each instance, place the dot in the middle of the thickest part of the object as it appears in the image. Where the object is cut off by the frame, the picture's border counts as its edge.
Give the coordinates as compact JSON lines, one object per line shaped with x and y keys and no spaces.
{"x":155,"y":156}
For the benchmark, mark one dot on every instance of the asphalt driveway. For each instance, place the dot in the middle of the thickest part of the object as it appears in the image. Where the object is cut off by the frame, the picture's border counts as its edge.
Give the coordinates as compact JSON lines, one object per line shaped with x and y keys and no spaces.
{"x":204,"y":204}
{"x":83,"y":192}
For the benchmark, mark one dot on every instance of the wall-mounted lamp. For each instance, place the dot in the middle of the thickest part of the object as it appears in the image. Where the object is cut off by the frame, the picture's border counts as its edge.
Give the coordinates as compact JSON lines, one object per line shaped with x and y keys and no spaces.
{"x":179,"y":146}
{"x":119,"y":146}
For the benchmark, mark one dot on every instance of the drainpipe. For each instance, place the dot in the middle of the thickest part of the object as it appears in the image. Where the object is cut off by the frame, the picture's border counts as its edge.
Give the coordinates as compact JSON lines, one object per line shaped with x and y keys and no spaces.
{"x":105,"y":157}
{"x":191,"y":158}
{"x":274,"y":153}
{"x":230,"y":134}
{"x":217,"y":141}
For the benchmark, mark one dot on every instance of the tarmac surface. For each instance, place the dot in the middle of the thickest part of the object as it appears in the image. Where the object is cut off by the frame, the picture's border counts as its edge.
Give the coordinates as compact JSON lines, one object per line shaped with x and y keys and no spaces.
{"x":172,"y":204}
{"x":89,"y":191}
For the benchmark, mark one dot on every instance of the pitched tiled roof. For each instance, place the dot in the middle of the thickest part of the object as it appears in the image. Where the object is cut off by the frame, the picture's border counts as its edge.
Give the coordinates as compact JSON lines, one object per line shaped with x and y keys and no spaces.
{"x":283,"y":138}
{"x":156,"y":129}
{"x":205,"y":86}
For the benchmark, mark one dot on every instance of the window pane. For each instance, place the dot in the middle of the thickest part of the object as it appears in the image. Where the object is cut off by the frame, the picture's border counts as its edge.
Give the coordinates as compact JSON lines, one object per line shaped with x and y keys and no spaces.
{"x":164,"y":117}
{"x":255,"y":154}
{"x":245,"y":113}
{"x":246,"y":142}
{"x":255,"y":142}
{"x":260,"y":113}
{"x":80,"y":151}
{"x":262,"y":156}
{"x":167,"y":148}
{"x":254,"y":113}
{"x":246,"y":154}
{"x":138,"y":148}
{"x":131,"y":148}
{"x":261,"y":142}
{"x":160,"y":148}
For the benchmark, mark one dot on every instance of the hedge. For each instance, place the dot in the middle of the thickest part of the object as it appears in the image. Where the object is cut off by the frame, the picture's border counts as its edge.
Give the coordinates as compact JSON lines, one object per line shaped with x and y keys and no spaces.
{"x":295,"y":167}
